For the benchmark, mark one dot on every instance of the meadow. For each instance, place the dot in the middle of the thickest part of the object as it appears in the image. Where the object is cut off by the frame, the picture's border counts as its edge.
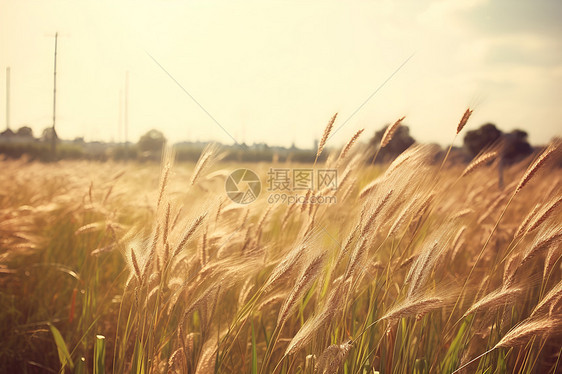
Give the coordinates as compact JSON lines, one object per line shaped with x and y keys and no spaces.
{"x":419,"y":267}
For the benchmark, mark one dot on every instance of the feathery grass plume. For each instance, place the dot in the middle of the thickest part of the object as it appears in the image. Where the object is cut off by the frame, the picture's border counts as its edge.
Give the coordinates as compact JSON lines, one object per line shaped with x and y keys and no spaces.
{"x":306,"y":198}
{"x":349,"y":144}
{"x":529,"y":328}
{"x":389,"y":133}
{"x":545,"y":213}
{"x":523,"y":226}
{"x":219,"y":208}
{"x":521,"y":334}
{"x":347,"y":244}
{"x":408,"y":154}
{"x":333,"y":358}
{"x":510,"y":269}
{"x":402,"y":216}
{"x":369,"y":188}
{"x":552,"y":257}
{"x":457,"y":243}
{"x":272,"y":300}
{"x":263,"y":219}
{"x":136,"y":265}
{"x":207,"y":359}
{"x":304,"y":282}
{"x":462,"y":213}
{"x":286,"y":216}
{"x":166,"y":225}
{"x":245,"y":291}
{"x":306,"y":332}
{"x":313,"y":325}
{"x":495,"y":299}
{"x":152,"y":253}
{"x":411,"y":306}
{"x":189,"y":233}
{"x":552,"y":236}
{"x":479,"y":161}
{"x":203,"y":255}
{"x":421,"y":268}
{"x":464,"y":120}
{"x":207,"y":158}
{"x":286,"y":266}
{"x":163,"y":184}
{"x":356,"y":259}
{"x":550,"y":151}
{"x":324,"y":139}
{"x":492,"y":208}
{"x":554,"y":294}
{"x":380,"y":206}
{"x":407,"y":261}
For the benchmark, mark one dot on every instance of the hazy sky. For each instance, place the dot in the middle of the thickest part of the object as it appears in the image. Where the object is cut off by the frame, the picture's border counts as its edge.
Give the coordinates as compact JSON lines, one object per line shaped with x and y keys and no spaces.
{"x":276,"y":72}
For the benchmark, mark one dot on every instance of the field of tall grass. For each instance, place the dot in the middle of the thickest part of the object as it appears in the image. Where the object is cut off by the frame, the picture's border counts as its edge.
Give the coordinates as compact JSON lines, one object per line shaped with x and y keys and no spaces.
{"x":419,"y":267}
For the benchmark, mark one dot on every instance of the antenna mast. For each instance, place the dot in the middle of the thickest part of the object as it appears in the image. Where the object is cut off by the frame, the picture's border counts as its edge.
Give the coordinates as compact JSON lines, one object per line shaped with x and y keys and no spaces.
{"x":53,"y":135}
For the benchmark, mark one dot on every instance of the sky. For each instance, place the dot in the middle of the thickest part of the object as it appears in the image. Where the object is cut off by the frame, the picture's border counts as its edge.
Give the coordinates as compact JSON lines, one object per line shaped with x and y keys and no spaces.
{"x":276,"y":71}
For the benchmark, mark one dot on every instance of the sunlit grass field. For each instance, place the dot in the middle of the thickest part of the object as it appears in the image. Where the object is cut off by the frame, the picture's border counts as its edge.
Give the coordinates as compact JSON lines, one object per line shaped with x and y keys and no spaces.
{"x":418,"y":267}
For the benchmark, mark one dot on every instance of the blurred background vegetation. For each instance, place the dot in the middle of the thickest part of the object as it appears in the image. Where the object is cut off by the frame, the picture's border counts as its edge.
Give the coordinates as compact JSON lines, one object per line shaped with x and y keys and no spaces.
{"x":22,"y":143}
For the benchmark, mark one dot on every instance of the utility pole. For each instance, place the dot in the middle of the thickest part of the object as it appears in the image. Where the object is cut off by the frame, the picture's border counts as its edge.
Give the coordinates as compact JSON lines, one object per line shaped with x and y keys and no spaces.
{"x":120,"y":119}
{"x":126,"y":113}
{"x":7,"y":98}
{"x":53,"y":135}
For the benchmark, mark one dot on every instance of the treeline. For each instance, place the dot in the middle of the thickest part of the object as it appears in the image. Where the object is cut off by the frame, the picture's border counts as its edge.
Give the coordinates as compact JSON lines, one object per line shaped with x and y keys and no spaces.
{"x":513,"y":146}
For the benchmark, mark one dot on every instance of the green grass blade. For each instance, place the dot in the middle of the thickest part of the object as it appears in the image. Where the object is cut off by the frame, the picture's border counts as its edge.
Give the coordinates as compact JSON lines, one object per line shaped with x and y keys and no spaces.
{"x":99,"y":355}
{"x":254,"y":352}
{"x":64,"y":355}
{"x":80,"y":367}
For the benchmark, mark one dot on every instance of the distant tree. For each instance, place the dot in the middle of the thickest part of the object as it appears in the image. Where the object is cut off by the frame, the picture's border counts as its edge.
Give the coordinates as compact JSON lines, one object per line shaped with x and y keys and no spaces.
{"x":153,"y":141}
{"x":25,"y":131}
{"x":47,"y":135}
{"x":400,"y":141}
{"x":513,"y":146}
{"x":476,"y":140}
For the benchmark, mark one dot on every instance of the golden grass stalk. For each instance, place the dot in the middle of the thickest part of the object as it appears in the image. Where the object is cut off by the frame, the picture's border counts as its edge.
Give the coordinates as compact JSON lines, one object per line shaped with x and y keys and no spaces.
{"x":551,"y":237}
{"x":523,"y":226}
{"x":136,"y":265}
{"x":495,"y":300}
{"x":540,"y":162}
{"x":306,"y":279}
{"x":546,"y":212}
{"x":389,"y":133}
{"x":350,"y":144}
{"x":333,"y":357}
{"x":410,"y":307}
{"x":306,"y":198}
{"x":307,"y":331}
{"x":479,"y":161}
{"x":324,"y":139}
{"x":464,"y":120}
{"x":381,"y":204}
{"x":369,"y":188}
{"x":526,"y":330}
{"x":285,"y":267}
{"x":552,"y":257}
{"x":356,"y":259}
{"x":551,"y":297}
{"x":166,"y":225}
{"x":521,"y":335}
{"x":189,"y":233}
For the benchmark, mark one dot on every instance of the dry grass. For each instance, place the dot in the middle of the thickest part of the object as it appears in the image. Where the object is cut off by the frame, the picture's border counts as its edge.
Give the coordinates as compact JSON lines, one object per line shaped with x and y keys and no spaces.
{"x":412,"y":270}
